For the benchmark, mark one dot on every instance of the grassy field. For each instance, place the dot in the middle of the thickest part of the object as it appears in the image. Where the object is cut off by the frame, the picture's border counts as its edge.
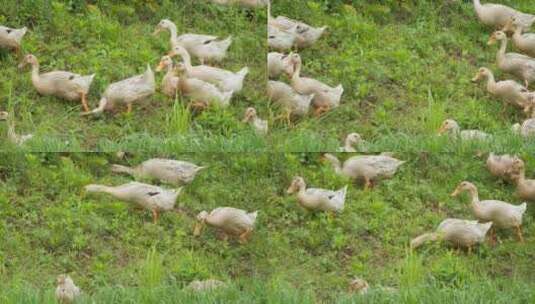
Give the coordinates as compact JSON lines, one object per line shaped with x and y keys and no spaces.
{"x":404,"y":69}
{"x":48,"y":225}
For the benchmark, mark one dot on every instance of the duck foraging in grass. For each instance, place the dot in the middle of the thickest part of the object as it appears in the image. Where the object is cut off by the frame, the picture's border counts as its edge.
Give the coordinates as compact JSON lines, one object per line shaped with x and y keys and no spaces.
{"x":231,"y":221}
{"x":369,"y":168}
{"x":61,"y":84}
{"x":127,"y":92}
{"x":500,"y":165}
{"x":292,"y":102}
{"x":66,"y":291}
{"x":11,"y":38}
{"x":456,"y":232}
{"x":278,"y":63}
{"x":452,"y":128}
{"x":174,"y":172}
{"x":170,"y":80}
{"x":153,"y":198}
{"x":525,"y":188}
{"x":315,"y":199}
{"x":501,"y":214}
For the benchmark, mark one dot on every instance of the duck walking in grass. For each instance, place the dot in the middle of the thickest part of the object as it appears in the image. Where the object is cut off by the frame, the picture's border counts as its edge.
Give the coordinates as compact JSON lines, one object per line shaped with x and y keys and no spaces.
{"x":526,"y":129}
{"x":500,"y":165}
{"x":278,"y":64}
{"x":501,"y":214}
{"x":369,"y":168}
{"x":127,"y":92}
{"x":315,"y":199}
{"x":12,"y":136}
{"x":525,"y":188}
{"x":523,"y":42}
{"x":508,"y":91}
{"x":170,"y":80}
{"x":231,"y":221}
{"x":174,"y":172}
{"x":456,"y":232}
{"x":11,"y":38}
{"x":61,"y":84}
{"x":205,"y":47}
{"x":521,"y":66}
{"x":153,"y":198}
{"x":498,"y":15}
{"x":260,"y":126}
{"x":289,"y":99}
{"x":66,"y":291}
{"x":452,"y":128}
{"x":225,"y":80}
{"x":325,"y":97}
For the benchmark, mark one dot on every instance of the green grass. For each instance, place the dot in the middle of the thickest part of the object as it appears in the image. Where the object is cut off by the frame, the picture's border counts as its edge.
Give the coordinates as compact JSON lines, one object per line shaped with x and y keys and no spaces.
{"x":48,"y":225}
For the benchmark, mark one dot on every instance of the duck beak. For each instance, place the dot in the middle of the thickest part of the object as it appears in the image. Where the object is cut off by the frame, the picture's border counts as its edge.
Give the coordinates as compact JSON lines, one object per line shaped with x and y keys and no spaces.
{"x":197,"y":229}
{"x":160,"y":67}
{"x":171,"y":53}
{"x":442,"y":130}
{"x":290,"y":189}
{"x":476,"y":78}
{"x":455,"y":193}
{"x":156,"y":31}
{"x":22,"y":65}
{"x":492,"y":40}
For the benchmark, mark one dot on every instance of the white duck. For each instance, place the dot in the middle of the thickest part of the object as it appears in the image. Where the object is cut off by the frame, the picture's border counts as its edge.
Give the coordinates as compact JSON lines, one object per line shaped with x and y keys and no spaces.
{"x":170,"y":80}
{"x":293,"y":102}
{"x":315,"y":199}
{"x":203,"y":94}
{"x":282,"y":40}
{"x":521,"y":66}
{"x":231,"y":221}
{"x":174,"y":172}
{"x":351,"y":141}
{"x":501,"y":214}
{"x":451,"y":127}
{"x":61,"y":84}
{"x":306,"y":35}
{"x":260,"y":126}
{"x":509,"y":91}
{"x":497,"y":15}
{"x":12,"y":136}
{"x":526,"y":129}
{"x":225,"y":80}
{"x":457,"y":232}
{"x":369,"y":168}
{"x":524,"y":42}
{"x":66,"y":290}
{"x":278,"y":63}
{"x":205,"y":47}
{"x":127,"y":92}
{"x":500,"y":165}
{"x":325,"y":97}
{"x":11,"y":38}
{"x":153,"y":198}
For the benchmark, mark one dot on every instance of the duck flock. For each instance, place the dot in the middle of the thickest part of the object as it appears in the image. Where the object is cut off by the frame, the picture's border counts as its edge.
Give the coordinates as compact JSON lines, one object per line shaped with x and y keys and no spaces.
{"x":206,"y":85}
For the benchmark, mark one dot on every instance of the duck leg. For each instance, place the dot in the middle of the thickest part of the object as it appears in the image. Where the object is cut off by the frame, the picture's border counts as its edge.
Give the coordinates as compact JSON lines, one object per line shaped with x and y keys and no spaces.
{"x":83,"y":98}
{"x":199,"y":105}
{"x":470,"y":250}
{"x":519,"y":233}
{"x":155,"y":216}
{"x":367,"y":183}
{"x":492,"y":237}
{"x":129,"y":108}
{"x":244,"y":237}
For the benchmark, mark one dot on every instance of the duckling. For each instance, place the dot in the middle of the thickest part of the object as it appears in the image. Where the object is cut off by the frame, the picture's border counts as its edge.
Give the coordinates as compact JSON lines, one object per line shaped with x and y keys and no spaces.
{"x":153,"y":198}
{"x":325,"y":97}
{"x":527,"y":129}
{"x":174,"y":172}
{"x":12,"y":136}
{"x":282,"y":40}
{"x":315,"y":199}
{"x":507,"y":90}
{"x":11,"y":38}
{"x":127,"y":91}
{"x":524,"y":42}
{"x":306,"y":35}
{"x":205,"y":47}
{"x":66,"y":291}
{"x":223,"y":79}
{"x":525,"y":188}
{"x":521,"y":66}
{"x":352,"y":140}
{"x":359,"y":286}
{"x":61,"y":84}
{"x":497,"y":15}
{"x":501,"y":214}
{"x":230,"y":220}
{"x":260,"y":125}
{"x":278,"y":64}
{"x":170,"y":80}
{"x":457,"y":232}
{"x":500,"y":165}
{"x":369,"y":168}
{"x":451,"y":127}
{"x":206,"y":285}
{"x":292,"y":102}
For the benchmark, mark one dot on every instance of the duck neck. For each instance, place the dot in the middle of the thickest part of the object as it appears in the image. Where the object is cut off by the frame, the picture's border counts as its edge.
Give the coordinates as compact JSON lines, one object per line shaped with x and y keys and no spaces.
{"x":474,"y":196}
{"x":187,"y":60}
{"x":517,"y":34}
{"x":173,"y":31}
{"x":491,"y":83}
{"x":501,"y":52}
{"x":35,"y":71}
{"x":349,"y":145}
{"x":336,"y":164}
